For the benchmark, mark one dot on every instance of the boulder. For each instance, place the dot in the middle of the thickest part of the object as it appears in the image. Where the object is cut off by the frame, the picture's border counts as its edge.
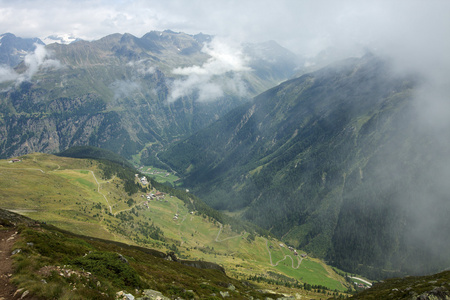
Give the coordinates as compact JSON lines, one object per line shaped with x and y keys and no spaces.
{"x":152,"y":295}
{"x":16,"y":251}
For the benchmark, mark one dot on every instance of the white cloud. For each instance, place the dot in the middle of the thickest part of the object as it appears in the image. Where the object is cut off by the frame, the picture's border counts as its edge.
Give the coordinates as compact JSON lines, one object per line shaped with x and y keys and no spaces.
{"x":124,"y":88}
{"x":306,"y":27}
{"x":225,"y":59}
{"x":7,"y":74}
{"x":142,"y":67}
{"x":38,"y":60}
{"x":209,"y":92}
{"x":414,"y":33}
{"x":34,"y":62}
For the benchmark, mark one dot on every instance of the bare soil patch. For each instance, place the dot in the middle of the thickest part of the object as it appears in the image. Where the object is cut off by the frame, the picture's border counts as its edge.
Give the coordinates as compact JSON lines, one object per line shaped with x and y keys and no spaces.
{"x":7,"y":237}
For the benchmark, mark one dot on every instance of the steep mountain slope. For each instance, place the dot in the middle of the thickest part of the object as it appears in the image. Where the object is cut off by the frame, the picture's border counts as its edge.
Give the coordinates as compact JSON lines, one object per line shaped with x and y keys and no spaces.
{"x":336,"y":162}
{"x":119,"y":93}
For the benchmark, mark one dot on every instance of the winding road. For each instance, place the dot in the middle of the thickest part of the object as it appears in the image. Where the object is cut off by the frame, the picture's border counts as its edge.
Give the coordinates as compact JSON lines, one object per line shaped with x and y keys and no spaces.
{"x":156,"y":155}
{"x":285,"y":257}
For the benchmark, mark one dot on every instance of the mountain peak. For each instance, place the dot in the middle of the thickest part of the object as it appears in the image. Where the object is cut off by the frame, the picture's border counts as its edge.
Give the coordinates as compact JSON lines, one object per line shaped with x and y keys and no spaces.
{"x":13,"y":49}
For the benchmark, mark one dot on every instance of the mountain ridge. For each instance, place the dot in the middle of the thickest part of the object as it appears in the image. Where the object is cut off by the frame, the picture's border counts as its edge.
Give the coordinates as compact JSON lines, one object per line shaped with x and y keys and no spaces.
{"x":115,"y":93}
{"x":13,"y":49}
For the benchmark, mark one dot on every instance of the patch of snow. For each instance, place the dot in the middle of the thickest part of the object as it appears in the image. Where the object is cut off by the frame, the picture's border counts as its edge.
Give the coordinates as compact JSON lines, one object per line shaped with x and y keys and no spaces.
{"x":64,"y":39}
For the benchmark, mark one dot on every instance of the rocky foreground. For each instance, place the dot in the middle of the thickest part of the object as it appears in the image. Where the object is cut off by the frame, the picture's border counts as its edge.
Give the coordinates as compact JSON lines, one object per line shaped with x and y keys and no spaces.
{"x":432,"y":287}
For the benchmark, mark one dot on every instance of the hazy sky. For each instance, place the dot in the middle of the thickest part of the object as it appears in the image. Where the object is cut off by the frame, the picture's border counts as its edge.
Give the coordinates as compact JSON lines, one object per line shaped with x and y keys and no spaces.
{"x":304,"y":27}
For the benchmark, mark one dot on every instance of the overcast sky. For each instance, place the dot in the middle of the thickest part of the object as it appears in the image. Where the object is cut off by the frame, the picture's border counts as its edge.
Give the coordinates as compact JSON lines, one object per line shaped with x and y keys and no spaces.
{"x":304,"y":27}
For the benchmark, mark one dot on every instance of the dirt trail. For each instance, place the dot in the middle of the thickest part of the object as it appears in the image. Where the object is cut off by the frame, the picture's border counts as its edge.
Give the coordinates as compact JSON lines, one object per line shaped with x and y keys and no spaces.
{"x":7,"y":237}
{"x":98,"y":190}
{"x":360,"y":279}
{"x":228,"y":238}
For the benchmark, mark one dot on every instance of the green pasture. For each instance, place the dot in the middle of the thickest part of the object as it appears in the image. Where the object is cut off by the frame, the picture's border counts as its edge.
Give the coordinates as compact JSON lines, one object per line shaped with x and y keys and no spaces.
{"x":66,"y":194}
{"x":160,"y":175}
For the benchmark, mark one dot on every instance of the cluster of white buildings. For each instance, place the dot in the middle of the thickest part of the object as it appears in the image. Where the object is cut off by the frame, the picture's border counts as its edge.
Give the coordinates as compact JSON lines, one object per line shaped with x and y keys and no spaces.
{"x":157,"y":195}
{"x":142,"y":180}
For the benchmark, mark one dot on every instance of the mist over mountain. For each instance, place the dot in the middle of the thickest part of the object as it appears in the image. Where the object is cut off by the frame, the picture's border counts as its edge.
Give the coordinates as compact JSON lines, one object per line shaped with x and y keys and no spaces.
{"x":14,"y":49}
{"x":125,"y":93}
{"x":341,"y":162}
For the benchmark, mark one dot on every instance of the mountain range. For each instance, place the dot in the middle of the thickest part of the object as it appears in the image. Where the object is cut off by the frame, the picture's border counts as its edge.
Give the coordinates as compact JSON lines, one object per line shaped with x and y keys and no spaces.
{"x":130,"y":94}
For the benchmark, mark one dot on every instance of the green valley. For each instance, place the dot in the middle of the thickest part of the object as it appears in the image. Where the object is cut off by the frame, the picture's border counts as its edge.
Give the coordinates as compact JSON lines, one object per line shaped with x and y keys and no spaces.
{"x":339,"y":162}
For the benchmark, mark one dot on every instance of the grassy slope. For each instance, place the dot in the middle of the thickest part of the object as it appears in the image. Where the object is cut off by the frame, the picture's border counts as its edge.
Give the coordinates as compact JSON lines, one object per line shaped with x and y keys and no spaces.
{"x":63,"y":192}
{"x":56,"y":264}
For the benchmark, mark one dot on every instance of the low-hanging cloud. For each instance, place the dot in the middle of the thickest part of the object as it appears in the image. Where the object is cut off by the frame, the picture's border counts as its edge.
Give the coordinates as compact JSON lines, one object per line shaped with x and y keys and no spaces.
{"x":124,"y":88}
{"x":7,"y":74}
{"x":127,"y":88}
{"x":142,"y":67}
{"x":225,"y":61}
{"x":39,"y":60}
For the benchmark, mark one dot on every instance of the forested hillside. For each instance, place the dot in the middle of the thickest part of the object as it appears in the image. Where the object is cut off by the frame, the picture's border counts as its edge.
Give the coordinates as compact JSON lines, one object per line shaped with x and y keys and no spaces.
{"x":338,"y":162}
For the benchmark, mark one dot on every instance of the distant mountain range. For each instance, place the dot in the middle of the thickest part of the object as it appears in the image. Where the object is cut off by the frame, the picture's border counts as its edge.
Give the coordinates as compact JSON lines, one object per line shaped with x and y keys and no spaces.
{"x":13,"y":49}
{"x":127,"y":94}
{"x":336,"y":162}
